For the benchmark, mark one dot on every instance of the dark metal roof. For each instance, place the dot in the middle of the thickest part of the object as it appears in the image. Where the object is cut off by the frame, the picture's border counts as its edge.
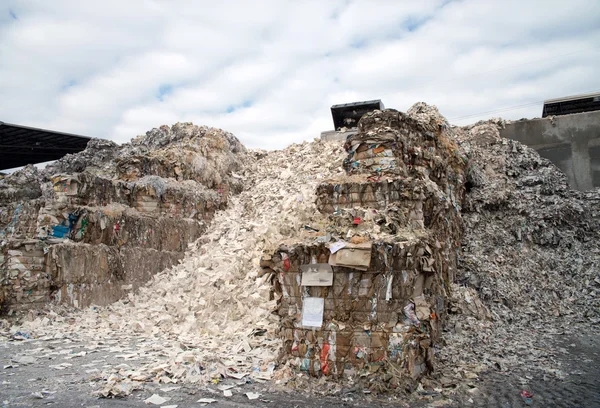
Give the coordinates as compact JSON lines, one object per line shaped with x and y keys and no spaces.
{"x":22,"y":145}
{"x":348,"y":114}
{"x":571,"y":104}
{"x":346,"y":105}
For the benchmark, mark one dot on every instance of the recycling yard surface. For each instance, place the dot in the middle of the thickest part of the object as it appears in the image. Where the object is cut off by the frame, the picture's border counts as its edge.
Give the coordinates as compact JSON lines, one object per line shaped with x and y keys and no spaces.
{"x":65,"y":372}
{"x":451,"y":268}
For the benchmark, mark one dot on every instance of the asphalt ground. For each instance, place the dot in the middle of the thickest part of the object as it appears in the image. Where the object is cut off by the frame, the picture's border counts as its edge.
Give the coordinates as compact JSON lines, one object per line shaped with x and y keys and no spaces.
{"x":38,"y":383}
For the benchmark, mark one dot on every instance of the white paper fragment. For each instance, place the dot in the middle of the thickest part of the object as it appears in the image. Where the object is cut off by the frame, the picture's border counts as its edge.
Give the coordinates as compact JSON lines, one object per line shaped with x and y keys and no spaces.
{"x":168,"y":389}
{"x":312,"y":312}
{"x":206,"y":400}
{"x":60,"y":366}
{"x":252,"y":395}
{"x":168,"y":406}
{"x":237,"y":376}
{"x":75,"y":355}
{"x":156,"y":400}
{"x":363,"y":289}
{"x":24,"y":359}
{"x":318,"y":274}
{"x":336,"y":246}
{"x":227,"y":393}
{"x":350,"y":277}
{"x":262,"y":375}
{"x":388,"y":291}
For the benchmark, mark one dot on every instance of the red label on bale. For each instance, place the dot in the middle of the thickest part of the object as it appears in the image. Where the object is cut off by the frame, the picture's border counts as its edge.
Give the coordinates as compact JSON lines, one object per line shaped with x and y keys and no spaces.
{"x":324,"y":361}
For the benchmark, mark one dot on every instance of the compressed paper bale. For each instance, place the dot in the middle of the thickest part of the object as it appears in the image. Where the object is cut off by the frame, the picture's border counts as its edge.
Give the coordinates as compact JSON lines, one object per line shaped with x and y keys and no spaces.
{"x":415,"y":190}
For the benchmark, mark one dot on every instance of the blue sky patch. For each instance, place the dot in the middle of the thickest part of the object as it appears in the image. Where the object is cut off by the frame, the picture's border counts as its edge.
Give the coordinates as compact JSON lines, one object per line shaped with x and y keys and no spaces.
{"x":69,"y":84}
{"x":360,"y":43}
{"x":233,"y":108}
{"x":163,"y":90}
{"x":413,"y":23}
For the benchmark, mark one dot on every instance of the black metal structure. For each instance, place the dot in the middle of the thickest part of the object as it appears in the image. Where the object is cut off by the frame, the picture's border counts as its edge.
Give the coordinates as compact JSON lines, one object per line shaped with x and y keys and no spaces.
{"x":22,"y":145}
{"x":348,"y":114}
{"x":571,"y":104}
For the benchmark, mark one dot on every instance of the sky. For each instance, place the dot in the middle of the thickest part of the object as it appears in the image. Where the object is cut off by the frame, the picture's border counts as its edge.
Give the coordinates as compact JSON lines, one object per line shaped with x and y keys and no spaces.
{"x":268,"y":71}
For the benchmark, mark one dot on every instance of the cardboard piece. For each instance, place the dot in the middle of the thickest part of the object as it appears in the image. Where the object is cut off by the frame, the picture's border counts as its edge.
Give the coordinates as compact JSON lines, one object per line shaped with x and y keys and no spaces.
{"x":356,"y":256}
{"x":320,"y":274}
{"x":421,"y":308}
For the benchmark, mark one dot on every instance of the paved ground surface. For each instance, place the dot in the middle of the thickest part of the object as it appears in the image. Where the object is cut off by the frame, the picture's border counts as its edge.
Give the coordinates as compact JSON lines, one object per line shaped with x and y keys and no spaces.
{"x":579,"y":355}
{"x":34,"y":383}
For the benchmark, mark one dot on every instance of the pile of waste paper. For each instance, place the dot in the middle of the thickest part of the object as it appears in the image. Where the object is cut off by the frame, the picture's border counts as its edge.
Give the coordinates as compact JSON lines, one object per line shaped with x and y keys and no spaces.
{"x":211,"y":316}
{"x":95,"y":225}
{"x":415,"y":255}
{"x":529,"y":253}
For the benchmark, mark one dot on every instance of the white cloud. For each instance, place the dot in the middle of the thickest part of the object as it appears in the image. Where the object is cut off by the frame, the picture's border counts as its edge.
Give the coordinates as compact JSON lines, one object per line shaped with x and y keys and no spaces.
{"x":268,"y":71}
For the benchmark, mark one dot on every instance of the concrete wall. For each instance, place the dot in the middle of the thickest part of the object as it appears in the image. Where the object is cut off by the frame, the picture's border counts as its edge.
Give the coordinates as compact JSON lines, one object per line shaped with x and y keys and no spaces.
{"x":331,"y":135}
{"x":571,"y":142}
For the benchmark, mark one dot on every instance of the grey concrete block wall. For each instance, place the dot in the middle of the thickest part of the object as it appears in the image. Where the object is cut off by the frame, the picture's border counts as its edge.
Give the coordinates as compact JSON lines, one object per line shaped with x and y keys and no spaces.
{"x":571,"y":142}
{"x":331,"y":135}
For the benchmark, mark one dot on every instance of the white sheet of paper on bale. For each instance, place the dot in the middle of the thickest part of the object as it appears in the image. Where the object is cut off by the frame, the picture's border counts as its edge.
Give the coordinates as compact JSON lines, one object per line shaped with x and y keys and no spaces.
{"x":336,"y":246}
{"x":356,"y":256}
{"x":319,"y":274}
{"x":312,"y":312}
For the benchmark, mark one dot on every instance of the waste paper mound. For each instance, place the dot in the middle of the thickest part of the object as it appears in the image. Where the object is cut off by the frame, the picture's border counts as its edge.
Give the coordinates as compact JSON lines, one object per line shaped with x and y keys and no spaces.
{"x":415,"y":255}
{"x":93,"y":226}
{"x":530,"y":254}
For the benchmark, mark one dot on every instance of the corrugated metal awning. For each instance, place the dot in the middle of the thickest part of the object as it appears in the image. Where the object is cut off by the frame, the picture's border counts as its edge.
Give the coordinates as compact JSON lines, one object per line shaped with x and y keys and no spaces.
{"x":22,"y":145}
